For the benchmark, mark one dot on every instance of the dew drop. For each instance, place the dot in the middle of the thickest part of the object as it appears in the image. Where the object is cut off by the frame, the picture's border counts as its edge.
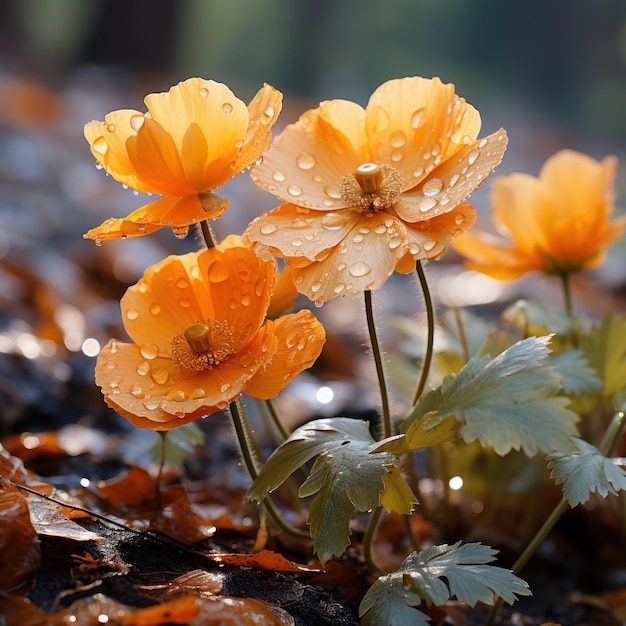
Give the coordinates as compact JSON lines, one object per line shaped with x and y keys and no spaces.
{"x":142,"y":287}
{"x":418,"y":118}
{"x":414,"y":248}
{"x":100,"y":145}
{"x":332,"y":191}
{"x":429,"y":244}
{"x":418,"y":173}
{"x":136,"y":122}
{"x":319,"y":302}
{"x":359,"y":269}
{"x":483,"y":142}
{"x":297,"y":243}
{"x":136,"y":390}
{"x":334,"y":221}
{"x":305,"y":161}
{"x":98,"y":242}
{"x":473,"y":156}
{"x":426,"y":204}
{"x":217,"y":272}
{"x":246,"y":299}
{"x":398,"y":139}
{"x":111,"y":128}
{"x":197,"y":394}
{"x":294,"y":190}
{"x":132,"y":314}
{"x":184,"y":303}
{"x":432,"y":187}
{"x":227,"y":108}
{"x":246,"y":359}
{"x":155,"y":308}
{"x":381,"y":120}
{"x":397,"y":156}
{"x":278,"y":176}
{"x":204,"y":92}
{"x":143,"y":368}
{"x":268,"y":229}
{"x":339,"y":287}
{"x":394,"y":242}
{"x":182,"y":283}
{"x":233,"y":304}
{"x":159,"y":375}
{"x":268,"y":114}
{"x":152,"y":404}
{"x":99,"y":165}
{"x":327,"y":203}
{"x":380,"y":229}
{"x":178,"y":396}
{"x":358,"y":238}
{"x":459,"y":219}
{"x":149,"y":351}
{"x":454,"y":180}
{"x":316,"y":286}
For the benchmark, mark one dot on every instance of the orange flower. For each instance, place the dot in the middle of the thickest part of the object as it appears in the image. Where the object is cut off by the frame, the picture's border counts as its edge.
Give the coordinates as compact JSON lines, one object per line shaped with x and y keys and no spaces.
{"x":193,"y":139}
{"x":200,"y":341}
{"x":555,"y":224}
{"x":368,"y":191}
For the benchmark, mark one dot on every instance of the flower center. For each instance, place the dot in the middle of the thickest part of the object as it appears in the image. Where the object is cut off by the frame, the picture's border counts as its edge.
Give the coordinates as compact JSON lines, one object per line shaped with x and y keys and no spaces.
{"x":371,"y":187}
{"x":202,"y":346}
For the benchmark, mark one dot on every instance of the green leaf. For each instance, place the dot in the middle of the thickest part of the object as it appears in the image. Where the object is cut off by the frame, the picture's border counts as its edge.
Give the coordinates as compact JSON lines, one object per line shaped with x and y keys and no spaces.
{"x":585,"y":471}
{"x":508,"y":403}
{"x":537,"y":318}
{"x":347,"y":475}
{"x":179,"y":444}
{"x":573,"y":367}
{"x":419,"y":579}
{"x":605,"y":348}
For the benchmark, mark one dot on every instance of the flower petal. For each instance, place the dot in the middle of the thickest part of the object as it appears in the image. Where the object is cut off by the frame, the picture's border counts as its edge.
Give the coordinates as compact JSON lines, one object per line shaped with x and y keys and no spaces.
{"x":300,"y":341}
{"x":135,"y":386}
{"x":309,"y":158}
{"x":293,"y":231}
{"x":416,"y":123}
{"x":225,"y":382}
{"x":207,"y":124}
{"x":107,"y":141}
{"x":263,"y":112}
{"x":428,"y":240}
{"x":120,"y":228}
{"x":364,"y":259}
{"x":454,"y":180}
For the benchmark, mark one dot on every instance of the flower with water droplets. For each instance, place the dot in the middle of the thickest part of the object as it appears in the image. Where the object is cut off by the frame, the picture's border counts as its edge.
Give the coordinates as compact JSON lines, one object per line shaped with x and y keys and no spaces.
{"x":368,"y":191}
{"x":201,"y":338}
{"x":192,"y":139}
{"x":557,"y":223}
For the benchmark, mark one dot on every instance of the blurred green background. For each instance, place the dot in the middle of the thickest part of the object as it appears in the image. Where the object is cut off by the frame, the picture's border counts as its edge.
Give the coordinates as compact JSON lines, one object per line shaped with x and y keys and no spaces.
{"x":554,"y":62}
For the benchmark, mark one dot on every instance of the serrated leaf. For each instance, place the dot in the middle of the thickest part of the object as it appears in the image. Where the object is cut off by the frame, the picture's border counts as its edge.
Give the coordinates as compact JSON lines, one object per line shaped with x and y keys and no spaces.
{"x":605,"y":348}
{"x":426,"y":432}
{"x":584,"y":472}
{"x":508,"y":402}
{"x":419,"y":579}
{"x":347,"y":475}
{"x":577,"y":376}
{"x":397,"y":495}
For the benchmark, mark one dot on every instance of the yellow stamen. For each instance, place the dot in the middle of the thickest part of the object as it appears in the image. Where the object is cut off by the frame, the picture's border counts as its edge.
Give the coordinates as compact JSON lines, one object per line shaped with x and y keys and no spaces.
{"x":369,"y":176}
{"x":198,"y":337}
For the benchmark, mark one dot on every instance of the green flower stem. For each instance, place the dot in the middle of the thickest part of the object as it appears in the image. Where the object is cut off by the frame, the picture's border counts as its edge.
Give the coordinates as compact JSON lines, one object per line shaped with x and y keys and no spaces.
{"x":368,"y":541}
{"x":378,"y":361}
{"x":567,"y":292}
{"x":207,"y":234}
{"x":247,"y":445}
{"x":284,"y":433}
{"x":163,"y":435}
{"x":608,"y":443}
{"x":430,"y":317}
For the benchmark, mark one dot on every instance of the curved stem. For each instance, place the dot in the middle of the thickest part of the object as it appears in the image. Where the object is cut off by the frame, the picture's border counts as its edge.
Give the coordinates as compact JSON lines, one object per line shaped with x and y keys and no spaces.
{"x":378,"y":361}
{"x":207,"y":234}
{"x":284,"y":433}
{"x":245,"y":438}
{"x":368,"y":541}
{"x":430,"y":317}
{"x":608,"y":443}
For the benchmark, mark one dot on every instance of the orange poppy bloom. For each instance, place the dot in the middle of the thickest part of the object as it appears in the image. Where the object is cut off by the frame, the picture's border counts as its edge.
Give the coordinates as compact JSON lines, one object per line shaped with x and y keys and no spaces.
{"x":193,"y":139}
{"x":201,"y":338}
{"x":556,"y":224}
{"x":368,"y":191}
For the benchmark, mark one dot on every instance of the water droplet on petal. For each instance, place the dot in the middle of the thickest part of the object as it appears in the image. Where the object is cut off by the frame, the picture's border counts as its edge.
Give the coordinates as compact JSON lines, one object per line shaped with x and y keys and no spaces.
{"x":100,"y":145}
{"x":246,"y":359}
{"x":143,"y":368}
{"x":111,"y":128}
{"x":98,"y":242}
{"x":296,"y":243}
{"x":316,"y":286}
{"x":278,"y":176}
{"x":332,"y":191}
{"x":472,"y":156}
{"x":136,"y":390}
{"x":155,"y":308}
{"x":227,"y":107}
{"x":334,"y":221}
{"x":267,"y":228}
{"x":178,"y":396}
{"x":294,"y":190}
{"x":149,"y":351}
{"x":159,"y":375}
{"x":305,"y":161}
{"x":459,"y":219}
{"x":136,"y":122}
{"x":319,"y":302}
{"x":198,"y":394}
{"x":268,"y":114}
{"x":394,"y":242}
{"x":180,"y":232}
{"x":339,"y":287}
{"x":418,"y":118}
{"x":218,"y":272}
{"x":398,"y":139}
{"x":359,"y":269}
{"x":381,"y":120}
{"x":246,"y":299}
{"x":182,"y":283}
{"x":426,"y":204}
{"x":432,"y":187}
{"x":151,"y":404}
{"x":132,"y":314}
{"x":204,"y":92}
